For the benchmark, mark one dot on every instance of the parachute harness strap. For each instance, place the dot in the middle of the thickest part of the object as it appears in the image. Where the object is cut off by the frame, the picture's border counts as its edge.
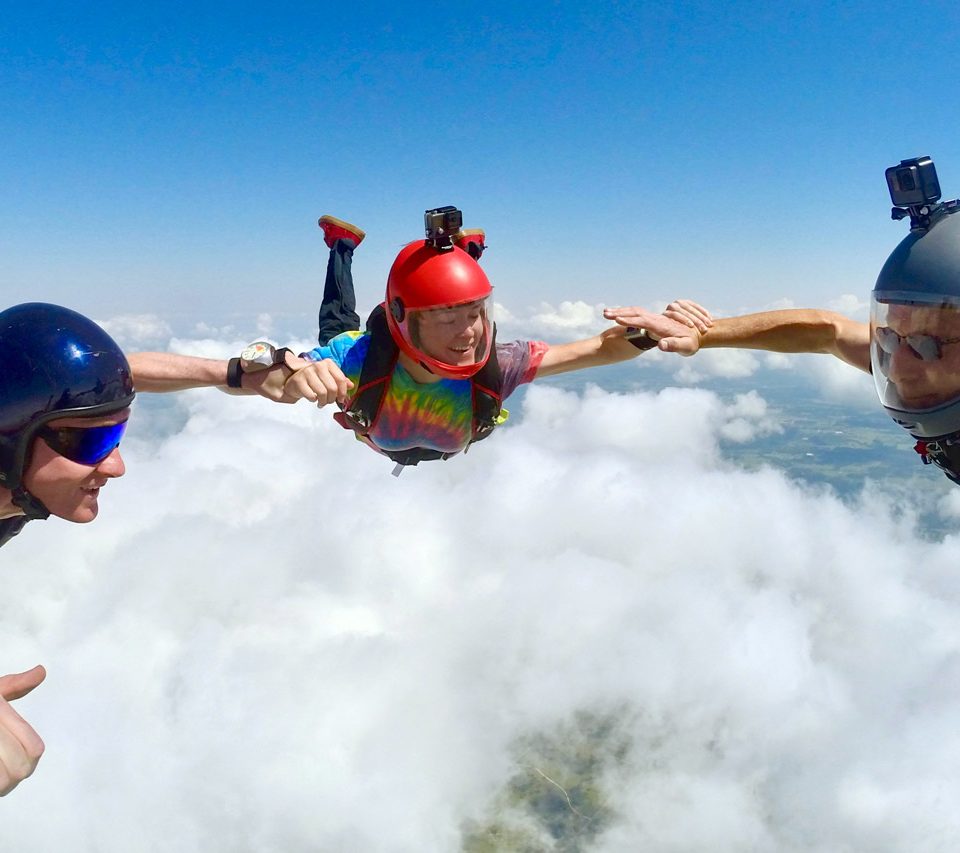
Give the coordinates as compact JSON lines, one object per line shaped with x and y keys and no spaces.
{"x":381,"y":358}
{"x":487,"y":390}
{"x":938,"y":452}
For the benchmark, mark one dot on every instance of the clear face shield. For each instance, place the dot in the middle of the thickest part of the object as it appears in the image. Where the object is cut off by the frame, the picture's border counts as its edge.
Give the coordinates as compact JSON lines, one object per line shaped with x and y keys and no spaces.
{"x":915,"y":358}
{"x":453,"y":340}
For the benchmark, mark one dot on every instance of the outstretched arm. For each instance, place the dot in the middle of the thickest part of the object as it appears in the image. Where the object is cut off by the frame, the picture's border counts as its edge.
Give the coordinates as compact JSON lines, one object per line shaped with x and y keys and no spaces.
{"x":20,"y":745}
{"x":678,"y":331}
{"x":283,"y":383}
{"x":160,"y":372}
{"x":793,"y":330}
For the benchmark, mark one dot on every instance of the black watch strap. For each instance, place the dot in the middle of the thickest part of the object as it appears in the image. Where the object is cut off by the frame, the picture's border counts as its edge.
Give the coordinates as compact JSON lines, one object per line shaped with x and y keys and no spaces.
{"x":234,"y":373}
{"x":280,"y":356}
{"x":640,"y":339}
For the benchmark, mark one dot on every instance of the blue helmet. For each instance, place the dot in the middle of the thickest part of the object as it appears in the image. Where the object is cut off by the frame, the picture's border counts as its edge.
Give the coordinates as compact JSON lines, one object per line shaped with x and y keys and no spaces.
{"x":56,"y":364}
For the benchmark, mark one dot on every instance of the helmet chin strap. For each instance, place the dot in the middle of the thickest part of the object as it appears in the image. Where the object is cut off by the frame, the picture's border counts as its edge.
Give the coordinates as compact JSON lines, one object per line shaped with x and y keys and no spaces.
{"x":32,"y":508}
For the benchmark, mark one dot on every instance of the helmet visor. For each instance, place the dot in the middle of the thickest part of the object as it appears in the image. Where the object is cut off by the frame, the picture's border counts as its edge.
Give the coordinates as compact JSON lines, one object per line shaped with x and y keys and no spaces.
{"x":915,"y":352}
{"x":452,"y":339}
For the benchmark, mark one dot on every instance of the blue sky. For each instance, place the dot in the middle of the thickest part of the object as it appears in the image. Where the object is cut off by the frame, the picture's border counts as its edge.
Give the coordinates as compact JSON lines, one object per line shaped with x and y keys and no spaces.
{"x":162,"y":159}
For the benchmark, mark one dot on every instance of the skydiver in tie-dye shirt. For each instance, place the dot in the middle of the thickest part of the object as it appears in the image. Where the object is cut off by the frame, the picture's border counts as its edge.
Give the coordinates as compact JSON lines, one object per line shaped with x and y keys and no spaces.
{"x":438,"y":313}
{"x":427,"y":377}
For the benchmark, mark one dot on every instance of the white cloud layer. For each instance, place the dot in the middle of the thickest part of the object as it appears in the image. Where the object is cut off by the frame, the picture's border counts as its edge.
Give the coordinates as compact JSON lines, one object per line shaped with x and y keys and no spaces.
{"x":567,"y":321}
{"x":851,"y":305}
{"x":267,"y":643}
{"x":835,"y":379}
{"x":138,"y":331}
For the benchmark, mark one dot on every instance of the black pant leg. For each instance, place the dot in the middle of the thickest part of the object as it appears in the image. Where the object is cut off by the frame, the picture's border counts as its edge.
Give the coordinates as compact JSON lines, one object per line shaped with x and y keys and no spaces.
{"x":338,"y":311}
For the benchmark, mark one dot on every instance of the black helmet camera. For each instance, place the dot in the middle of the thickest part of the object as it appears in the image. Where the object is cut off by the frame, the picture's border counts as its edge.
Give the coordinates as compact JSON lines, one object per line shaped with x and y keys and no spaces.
{"x":915,"y":191}
{"x":442,"y":224}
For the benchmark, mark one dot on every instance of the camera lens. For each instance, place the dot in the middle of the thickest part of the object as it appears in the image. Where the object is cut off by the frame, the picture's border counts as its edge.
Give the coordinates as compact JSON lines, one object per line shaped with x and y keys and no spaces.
{"x":906,"y":179}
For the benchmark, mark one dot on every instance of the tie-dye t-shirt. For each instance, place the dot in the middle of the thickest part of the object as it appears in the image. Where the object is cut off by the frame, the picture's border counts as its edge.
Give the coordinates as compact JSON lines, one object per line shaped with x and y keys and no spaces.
{"x":435,"y":415}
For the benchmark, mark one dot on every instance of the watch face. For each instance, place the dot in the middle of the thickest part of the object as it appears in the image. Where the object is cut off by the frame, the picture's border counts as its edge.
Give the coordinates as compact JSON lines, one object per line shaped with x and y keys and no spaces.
{"x":259,"y":351}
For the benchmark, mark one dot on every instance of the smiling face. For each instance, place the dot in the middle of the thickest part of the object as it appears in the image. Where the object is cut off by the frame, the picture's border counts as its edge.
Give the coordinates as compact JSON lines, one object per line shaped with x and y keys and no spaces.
{"x":445,"y":341}
{"x":917,"y":350}
{"x":451,"y":335}
{"x":68,"y":489}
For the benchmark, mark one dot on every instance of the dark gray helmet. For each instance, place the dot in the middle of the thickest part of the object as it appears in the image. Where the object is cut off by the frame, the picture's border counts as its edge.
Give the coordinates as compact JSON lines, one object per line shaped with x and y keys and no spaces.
{"x":915,"y":337}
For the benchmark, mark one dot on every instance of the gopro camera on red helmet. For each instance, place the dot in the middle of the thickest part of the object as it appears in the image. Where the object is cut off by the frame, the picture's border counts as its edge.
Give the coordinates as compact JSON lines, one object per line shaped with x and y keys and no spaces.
{"x":441,"y":225}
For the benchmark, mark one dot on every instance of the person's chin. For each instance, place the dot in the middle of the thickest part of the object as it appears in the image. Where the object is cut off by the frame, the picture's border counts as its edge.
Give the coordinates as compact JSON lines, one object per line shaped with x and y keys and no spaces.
{"x":87,"y":511}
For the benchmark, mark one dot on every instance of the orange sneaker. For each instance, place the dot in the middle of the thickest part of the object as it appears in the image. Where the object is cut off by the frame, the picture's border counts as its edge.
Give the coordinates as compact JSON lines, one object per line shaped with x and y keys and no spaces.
{"x":471,"y":240}
{"x":336,"y":229}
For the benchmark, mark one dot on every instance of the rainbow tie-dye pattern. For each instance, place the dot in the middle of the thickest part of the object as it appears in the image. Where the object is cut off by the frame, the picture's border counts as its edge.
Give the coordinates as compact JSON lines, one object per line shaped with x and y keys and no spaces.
{"x":437,"y":415}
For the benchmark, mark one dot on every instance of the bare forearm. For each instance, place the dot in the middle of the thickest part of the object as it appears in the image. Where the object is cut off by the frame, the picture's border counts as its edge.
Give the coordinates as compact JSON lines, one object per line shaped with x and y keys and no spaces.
{"x":163,"y":371}
{"x":796,"y":330}
{"x":609,"y":347}
{"x":800,"y":330}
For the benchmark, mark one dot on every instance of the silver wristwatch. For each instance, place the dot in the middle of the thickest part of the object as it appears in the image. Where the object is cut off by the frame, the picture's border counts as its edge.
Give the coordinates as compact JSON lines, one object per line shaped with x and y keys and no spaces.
{"x":260,"y":355}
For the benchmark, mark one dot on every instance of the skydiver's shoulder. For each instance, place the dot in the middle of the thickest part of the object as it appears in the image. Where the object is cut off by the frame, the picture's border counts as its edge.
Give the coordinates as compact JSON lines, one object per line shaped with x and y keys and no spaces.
{"x":519,"y":361}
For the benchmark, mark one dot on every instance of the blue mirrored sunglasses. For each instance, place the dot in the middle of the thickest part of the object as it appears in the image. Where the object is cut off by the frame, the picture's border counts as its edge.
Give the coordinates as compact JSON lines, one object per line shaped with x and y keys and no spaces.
{"x":924,"y":347}
{"x":86,"y":445}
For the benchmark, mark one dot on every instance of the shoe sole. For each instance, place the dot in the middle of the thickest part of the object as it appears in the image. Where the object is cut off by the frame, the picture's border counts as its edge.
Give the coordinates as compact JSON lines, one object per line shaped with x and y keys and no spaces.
{"x":342,"y":224}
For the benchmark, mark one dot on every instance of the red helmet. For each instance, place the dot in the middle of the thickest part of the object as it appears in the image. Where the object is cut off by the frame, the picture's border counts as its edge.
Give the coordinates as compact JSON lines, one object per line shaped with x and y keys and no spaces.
{"x":439,"y":309}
